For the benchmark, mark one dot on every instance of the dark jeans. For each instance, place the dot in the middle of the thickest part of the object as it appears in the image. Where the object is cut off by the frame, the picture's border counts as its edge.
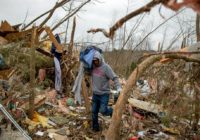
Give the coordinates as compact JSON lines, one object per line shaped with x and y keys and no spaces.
{"x":100,"y":104}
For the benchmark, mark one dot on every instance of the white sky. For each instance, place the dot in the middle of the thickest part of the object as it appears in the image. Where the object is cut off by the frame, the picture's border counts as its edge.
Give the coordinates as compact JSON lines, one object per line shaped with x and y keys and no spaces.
{"x":102,"y":15}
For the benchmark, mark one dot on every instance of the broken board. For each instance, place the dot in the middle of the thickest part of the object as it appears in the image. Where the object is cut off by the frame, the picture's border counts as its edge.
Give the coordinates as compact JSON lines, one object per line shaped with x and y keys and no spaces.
{"x":154,"y":108}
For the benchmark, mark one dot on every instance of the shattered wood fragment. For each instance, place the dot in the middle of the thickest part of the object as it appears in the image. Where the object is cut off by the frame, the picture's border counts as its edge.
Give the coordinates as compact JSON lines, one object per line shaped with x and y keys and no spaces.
{"x":18,"y":36}
{"x":6,"y":27}
{"x":59,"y":48}
{"x":150,"y":107}
{"x":39,"y":101}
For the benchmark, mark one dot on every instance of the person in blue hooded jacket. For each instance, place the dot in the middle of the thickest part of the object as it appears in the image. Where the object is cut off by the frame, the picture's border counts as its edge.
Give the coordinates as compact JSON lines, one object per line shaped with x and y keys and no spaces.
{"x":57,"y":60}
{"x":101,"y":74}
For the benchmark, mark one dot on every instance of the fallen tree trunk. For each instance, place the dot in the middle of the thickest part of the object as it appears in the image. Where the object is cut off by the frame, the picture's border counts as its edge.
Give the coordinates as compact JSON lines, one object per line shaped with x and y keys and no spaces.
{"x":114,"y":128}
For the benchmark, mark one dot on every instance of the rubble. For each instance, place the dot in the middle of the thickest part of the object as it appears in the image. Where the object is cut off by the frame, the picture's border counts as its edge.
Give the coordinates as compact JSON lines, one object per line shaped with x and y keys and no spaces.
{"x":160,"y":107}
{"x":146,"y":106}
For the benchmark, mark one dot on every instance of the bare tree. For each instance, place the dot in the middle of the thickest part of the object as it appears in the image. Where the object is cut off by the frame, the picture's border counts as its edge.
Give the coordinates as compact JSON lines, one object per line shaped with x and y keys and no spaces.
{"x":51,"y":11}
{"x":120,"y":22}
{"x":198,"y":27}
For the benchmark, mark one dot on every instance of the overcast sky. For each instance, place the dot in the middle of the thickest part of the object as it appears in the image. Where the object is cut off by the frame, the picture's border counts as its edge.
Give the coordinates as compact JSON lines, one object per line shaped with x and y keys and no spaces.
{"x":102,"y":14}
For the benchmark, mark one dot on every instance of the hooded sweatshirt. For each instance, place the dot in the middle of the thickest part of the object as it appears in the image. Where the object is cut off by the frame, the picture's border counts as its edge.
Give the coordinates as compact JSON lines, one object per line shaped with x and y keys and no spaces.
{"x":101,"y":76}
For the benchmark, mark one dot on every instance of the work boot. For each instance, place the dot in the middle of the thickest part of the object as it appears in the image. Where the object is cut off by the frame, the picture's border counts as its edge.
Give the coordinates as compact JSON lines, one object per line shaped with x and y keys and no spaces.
{"x":96,"y":129}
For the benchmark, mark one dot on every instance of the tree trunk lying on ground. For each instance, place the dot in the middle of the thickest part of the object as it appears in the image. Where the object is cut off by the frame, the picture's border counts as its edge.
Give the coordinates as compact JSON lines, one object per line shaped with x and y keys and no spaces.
{"x":114,"y":128}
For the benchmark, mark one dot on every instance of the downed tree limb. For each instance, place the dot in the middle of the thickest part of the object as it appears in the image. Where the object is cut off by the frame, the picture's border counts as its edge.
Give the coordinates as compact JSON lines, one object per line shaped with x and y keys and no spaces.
{"x":121,"y":21}
{"x":114,"y":128}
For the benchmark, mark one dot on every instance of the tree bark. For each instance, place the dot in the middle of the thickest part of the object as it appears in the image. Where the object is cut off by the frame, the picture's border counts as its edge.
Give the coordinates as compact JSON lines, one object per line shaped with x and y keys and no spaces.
{"x":71,"y":45}
{"x":114,"y":128}
{"x":197,"y":28}
{"x":32,"y":74}
{"x":196,"y":107}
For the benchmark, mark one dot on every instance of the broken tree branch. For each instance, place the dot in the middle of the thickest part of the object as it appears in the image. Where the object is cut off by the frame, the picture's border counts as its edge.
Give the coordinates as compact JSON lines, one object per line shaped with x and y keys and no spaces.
{"x":157,"y":28}
{"x":67,"y":26}
{"x":114,"y":128}
{"x":35,"y":20}
{"x":70,"y":15}
{"x":50,"y":14}
{"x":121,"y":21}
{"x":72,"y":37}
{"x":177,"y":52}
{"x":52,"y":11}
{"x":67,"y":17}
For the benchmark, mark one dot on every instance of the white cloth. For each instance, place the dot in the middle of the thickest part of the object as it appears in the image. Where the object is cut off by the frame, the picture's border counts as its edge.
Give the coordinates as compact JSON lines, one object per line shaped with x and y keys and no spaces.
{"x":77,"y":85}
{"x":58,"y":80}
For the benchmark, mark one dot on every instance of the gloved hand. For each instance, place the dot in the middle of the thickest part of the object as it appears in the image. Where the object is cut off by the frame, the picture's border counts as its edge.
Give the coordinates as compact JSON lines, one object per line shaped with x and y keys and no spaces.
{"x":116,"y":94}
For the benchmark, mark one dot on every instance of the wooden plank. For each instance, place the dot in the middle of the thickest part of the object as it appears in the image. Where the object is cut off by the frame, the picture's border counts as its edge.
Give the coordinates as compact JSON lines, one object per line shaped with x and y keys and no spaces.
{"x":59,"y":48}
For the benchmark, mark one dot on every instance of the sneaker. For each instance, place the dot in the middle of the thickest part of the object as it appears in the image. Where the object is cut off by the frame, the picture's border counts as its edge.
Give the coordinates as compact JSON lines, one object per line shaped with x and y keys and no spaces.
{"x":105,"y":118}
